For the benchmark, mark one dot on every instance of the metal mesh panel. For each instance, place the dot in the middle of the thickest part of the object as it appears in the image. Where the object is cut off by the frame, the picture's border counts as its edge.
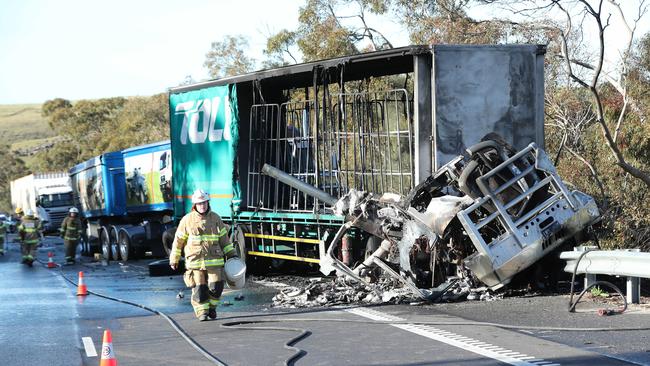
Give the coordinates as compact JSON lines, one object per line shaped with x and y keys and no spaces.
{"x":373,"y":140}
{"x":262,"y":148}
{"x":362,"y":141}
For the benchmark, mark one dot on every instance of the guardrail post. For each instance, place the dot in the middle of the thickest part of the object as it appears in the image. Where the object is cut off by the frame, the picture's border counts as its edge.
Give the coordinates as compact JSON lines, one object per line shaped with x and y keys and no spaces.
{"x":633,"y":290}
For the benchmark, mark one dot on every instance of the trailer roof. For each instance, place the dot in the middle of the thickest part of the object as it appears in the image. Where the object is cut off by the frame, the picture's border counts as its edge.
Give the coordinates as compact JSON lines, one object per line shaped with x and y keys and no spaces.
{"x":97,"y":160}
{"x":154,"y":146}
{"x":359,"y":66}
{"x":356,"y":66}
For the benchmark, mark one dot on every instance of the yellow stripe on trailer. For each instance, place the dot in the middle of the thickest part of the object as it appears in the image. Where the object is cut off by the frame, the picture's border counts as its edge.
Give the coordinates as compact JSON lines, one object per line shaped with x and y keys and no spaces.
{"x":282,"y":256}
{"x":282,"y":238}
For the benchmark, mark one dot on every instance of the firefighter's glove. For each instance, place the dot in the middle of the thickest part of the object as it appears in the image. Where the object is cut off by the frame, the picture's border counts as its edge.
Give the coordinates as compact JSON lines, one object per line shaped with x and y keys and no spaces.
{"x":173,"y":265}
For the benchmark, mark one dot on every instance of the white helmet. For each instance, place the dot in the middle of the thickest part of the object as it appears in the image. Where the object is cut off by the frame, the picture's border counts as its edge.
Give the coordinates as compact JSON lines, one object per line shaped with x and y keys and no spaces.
{"x":200,"y":196}
{"x":29,"y":212}
{"x":73,"y":210}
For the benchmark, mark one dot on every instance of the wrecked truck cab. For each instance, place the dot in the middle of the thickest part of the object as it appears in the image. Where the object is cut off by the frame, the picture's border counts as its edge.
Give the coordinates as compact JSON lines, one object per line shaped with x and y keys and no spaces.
{"x":549,"y":215}
{"x":487,"y":216}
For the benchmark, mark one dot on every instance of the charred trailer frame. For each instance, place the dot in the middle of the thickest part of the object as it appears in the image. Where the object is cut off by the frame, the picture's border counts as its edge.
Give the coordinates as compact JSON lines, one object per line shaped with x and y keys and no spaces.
{"x":328,"y":124}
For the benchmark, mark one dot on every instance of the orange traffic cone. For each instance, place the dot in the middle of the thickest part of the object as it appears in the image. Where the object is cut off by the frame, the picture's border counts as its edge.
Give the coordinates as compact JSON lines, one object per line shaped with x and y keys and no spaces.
{"x":108,"y":357}
{"x":50,"y":260}
{"x":81,"y":287}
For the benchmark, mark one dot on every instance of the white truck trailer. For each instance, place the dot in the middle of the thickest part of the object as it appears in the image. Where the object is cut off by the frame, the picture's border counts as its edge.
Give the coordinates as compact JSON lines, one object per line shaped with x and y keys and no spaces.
{"x":48,"y":195}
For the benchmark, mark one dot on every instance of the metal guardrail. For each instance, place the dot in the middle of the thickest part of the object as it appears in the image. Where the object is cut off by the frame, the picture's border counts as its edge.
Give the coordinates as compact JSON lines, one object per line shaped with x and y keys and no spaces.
{"x":630,"y":263}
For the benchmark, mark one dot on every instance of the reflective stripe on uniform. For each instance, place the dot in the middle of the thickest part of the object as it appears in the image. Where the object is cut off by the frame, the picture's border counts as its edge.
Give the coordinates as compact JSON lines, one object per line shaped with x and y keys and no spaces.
{"x":228,"y":248}
{"x":214,"y":302}
{"x":182,"y":236}
{"x":200,"y":308}
{"x":205,"y":263}
{"x":208,"y":237}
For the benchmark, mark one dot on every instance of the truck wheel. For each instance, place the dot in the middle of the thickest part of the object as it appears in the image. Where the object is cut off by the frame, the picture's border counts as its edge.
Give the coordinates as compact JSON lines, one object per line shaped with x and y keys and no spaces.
{"x":168,"y":239}
{"x":105,"y":242}
{"x":239,"y":241}
{"x":126,"y":250}
{"x":115,"y":250}
{"x":81,"y":247}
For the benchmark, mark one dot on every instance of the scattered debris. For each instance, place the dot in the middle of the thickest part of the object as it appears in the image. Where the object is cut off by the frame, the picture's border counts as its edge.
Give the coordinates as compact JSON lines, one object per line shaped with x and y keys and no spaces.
{"x":239,"y":297}
{"x":465,"y":232}
{"x":339,"y":291}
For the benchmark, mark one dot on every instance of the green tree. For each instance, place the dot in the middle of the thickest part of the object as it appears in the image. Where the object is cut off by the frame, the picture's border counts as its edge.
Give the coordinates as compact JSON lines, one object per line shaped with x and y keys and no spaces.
{"x":141,"y":120}
{"x":12,"y":168}
{"x":228,"y":57}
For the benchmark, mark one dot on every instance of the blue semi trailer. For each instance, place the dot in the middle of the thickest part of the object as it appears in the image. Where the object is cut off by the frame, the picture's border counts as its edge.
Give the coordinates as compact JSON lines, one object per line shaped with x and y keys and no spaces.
{"x":124,"y":197}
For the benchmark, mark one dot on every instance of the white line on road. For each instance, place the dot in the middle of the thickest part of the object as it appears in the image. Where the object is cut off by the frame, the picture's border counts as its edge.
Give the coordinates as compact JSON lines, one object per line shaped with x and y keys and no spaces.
{"x":89,"y":346}
{"x":493,"y":352}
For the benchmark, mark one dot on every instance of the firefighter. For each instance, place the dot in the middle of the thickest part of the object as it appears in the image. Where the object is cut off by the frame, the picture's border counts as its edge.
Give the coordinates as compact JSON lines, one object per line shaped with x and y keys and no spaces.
{"x":19,"y":215}
{"x":29,"y":231}
{"x":4,"y":227}
{"x":71,"y":232}
{"x":204,"y":237}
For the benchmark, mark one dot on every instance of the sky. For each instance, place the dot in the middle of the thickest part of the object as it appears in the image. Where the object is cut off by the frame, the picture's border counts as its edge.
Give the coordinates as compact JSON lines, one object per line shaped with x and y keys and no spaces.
{"x":87,"y":49}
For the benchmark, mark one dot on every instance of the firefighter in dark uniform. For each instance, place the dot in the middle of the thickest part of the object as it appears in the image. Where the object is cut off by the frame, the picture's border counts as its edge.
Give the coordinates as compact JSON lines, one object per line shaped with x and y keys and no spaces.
{"x":29,"y":231}
{"x":71,"y":232}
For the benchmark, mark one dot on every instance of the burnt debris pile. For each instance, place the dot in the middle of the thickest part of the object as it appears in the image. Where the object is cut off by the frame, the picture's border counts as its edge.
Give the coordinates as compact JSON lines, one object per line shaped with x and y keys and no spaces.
{"x":469,"y":229}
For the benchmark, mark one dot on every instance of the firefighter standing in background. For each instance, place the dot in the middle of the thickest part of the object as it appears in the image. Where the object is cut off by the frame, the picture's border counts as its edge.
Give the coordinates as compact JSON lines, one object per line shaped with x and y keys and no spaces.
{"x":71,"y":232}
{"x":30,"y":233}
{"x":3,"y":234}
{"x":204,"y":237}
{"x":19,"y":215}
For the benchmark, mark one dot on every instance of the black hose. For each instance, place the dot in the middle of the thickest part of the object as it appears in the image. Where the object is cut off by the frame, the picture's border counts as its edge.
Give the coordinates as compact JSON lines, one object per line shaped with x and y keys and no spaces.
{"x":298,"y":353}
{"x":171,"y":321}
{"x":572,"y":304}
{"x":572,"y":307}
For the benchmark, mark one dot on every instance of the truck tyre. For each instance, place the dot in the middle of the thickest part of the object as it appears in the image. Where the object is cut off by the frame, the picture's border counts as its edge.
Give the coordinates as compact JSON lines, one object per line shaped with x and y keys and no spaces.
{"x":126,"y":249}
{"x":115,"y":248}
{"x":105,"y":242}
{"x":82,"y":247}
{"x":168,"y":239}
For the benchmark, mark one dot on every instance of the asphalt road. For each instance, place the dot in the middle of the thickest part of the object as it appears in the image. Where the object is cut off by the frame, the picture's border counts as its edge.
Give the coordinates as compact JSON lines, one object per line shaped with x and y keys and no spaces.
{"x":43,"y":322}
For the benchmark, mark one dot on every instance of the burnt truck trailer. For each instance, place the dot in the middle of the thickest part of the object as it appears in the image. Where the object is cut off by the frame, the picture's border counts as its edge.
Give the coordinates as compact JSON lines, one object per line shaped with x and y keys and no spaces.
{"x":377,"y":122}
{"x":121,"y":198}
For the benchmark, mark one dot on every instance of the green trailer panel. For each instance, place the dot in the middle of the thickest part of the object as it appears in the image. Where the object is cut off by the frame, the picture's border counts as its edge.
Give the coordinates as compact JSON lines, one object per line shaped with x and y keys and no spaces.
{"x":204,"y":139}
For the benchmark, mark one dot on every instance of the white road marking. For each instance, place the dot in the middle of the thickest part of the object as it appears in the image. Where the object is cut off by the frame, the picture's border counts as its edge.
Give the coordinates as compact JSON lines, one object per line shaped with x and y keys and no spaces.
{"x":89,"y":346}
{"x":487,"y":350}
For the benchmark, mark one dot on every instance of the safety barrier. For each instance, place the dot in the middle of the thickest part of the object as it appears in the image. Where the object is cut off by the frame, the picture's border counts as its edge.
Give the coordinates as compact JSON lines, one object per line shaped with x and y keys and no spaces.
{"x":630,"y":263}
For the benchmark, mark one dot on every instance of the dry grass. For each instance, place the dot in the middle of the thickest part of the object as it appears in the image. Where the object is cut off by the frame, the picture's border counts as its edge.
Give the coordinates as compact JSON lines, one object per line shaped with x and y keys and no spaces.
{"x":21,"y":123}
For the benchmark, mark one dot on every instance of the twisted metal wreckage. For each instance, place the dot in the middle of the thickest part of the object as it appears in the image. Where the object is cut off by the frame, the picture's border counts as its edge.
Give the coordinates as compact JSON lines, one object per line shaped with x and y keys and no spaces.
{"x":475,"y":223}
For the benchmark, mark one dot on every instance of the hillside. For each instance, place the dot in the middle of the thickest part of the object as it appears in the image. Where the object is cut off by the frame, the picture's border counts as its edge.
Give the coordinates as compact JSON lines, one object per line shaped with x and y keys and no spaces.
{"x":24,"y":129}
{"x":21,"y":123}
